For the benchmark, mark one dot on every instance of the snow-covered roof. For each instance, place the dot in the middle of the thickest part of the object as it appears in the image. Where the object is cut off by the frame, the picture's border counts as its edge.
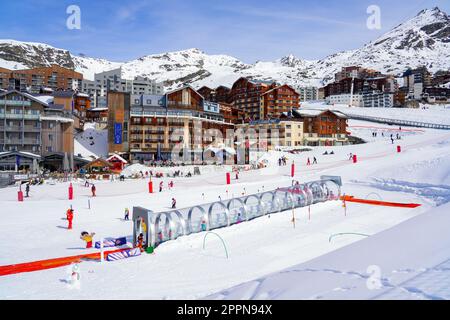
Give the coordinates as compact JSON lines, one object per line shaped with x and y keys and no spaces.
{"x":56,"y":118}
{"x":316,"y":112}
{"x":117,"y":157}
{"x":45,"y":99}
{"x":98,"y":109}
{"x":27,"y":95}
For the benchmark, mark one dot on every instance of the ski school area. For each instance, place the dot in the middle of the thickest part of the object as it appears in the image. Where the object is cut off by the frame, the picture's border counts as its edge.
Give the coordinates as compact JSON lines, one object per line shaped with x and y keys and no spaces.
{"x":131,"y":241}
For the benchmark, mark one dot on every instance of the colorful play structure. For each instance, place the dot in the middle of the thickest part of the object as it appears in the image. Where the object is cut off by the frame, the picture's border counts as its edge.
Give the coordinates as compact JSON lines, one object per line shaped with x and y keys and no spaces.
{"x":158,"y":227}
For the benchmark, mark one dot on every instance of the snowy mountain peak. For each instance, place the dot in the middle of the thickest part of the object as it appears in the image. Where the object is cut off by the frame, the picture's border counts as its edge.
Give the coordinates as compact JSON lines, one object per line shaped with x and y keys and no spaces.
{"x":423,"y":40}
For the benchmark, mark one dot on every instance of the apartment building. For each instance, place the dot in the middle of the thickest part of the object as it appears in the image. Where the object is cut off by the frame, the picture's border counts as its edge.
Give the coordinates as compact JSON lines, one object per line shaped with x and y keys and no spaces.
{"x":38,"y":79}
{"x":308,"y":93}
{"x":356,"y":72}
{"x":219,"y":94}
{"x":114,"y":80}
{"x":355,"y":100}
{"x":372,"y":98}
{"x":246,"y":95}
{"x":278,"y":100}
{"x":322,"y":127}
{"x":157,"y":124}
{"x":28,"y":124}
{"x":416,"y":80}
{"x":266,"y":135}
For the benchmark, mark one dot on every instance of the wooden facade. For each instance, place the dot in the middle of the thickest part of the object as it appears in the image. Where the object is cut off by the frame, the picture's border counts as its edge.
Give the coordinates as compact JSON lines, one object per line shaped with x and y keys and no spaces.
{"x":118,"y":115}
{"x":278,"y":100}
{"x":246,"y":96}
{"x":185,"y":98}
{"x":34,"y":80}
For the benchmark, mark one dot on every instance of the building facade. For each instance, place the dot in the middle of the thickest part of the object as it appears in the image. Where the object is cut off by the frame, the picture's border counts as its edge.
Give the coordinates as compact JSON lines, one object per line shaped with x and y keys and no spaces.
{"x":156,"y":125}
{"x":246,"y":95}
{"x":355,"y":100}
{"x":37,"y":79}
{"x":308,"y":93}
{"x":113,"y":81}
{"x":322,"y":127}
{"x":274,"y":102}
{"x":266,"y":135}
{"x":28,"y":124}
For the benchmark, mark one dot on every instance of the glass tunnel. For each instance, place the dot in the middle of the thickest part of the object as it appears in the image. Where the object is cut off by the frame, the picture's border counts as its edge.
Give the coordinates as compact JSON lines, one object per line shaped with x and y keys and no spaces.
{"x":160,"y":227}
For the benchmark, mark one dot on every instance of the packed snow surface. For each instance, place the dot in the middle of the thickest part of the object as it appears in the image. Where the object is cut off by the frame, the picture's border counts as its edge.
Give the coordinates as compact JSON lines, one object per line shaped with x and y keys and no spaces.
{"x":258,"y":249}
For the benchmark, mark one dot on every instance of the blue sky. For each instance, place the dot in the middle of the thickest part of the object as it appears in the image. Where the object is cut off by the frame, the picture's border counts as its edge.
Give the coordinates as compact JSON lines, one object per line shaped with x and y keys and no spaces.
{"x":247,"y":29}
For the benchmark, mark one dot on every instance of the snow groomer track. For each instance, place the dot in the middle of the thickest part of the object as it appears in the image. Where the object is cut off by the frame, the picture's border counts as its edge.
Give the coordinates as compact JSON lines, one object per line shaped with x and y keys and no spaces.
{"x":169,"y":225}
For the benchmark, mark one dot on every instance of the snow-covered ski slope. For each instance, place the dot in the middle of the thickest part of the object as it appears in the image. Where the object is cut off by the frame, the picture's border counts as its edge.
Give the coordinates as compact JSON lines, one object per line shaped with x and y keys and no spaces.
{"x":438,"y":114}
{"x":35,"y":229}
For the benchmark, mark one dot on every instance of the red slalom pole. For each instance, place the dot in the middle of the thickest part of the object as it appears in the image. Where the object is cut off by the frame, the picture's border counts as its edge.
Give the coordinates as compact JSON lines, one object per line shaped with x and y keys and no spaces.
{"x":150,"y":186}
{"x":355,"y":158}
{"x":228,"y":178}
{"x":70,"y":192}
{"x":399,"y":149}
{"x":292,"y":169}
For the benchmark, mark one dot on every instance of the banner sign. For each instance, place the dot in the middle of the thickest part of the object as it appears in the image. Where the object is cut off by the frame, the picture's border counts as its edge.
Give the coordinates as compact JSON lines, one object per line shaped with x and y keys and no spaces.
{"x":117,"y":133}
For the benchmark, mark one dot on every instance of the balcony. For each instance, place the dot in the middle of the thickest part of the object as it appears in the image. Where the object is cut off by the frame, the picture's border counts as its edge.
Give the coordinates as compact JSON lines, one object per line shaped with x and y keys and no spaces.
{"x":15,"y":103}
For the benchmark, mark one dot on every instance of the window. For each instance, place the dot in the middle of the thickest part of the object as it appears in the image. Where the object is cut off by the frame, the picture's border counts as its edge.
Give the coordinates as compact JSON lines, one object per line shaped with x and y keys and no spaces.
{"x":149,"y":101}
{"x":136,"y":101}
{"x":50,"y":137}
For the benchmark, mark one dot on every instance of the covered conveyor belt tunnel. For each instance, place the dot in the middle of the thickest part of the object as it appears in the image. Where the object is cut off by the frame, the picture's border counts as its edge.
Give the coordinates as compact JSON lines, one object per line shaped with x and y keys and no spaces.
{"x":158,"y":227}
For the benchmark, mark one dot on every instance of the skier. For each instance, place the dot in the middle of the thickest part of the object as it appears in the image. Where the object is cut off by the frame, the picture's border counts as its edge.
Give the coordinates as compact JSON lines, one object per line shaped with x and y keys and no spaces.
{"x":351,"y":156}
{"x":237,"y":175}
{"x":27,"y":190}
{"x":203,"y":225}
{"x":93,"y":190}
{"x":86,"y":236}
{"x":161,"y":186}
{"x":127,"y":214}
{"x":140,"y":242}
{"x":314,"y":160}
{"x":392,"y":138}
{"x":170,"y":184}
{"x":86,"y":183}
{"x":69,"y":216}
{"x":174,"y":203}
{"x":239,"y":219}
{"x":308,"y":163}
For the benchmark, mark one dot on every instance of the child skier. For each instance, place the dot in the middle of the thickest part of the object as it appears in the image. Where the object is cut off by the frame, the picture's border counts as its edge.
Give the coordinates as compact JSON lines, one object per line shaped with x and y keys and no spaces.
{"x":308,"y":163}
{"x":314,"y":160}
{"x":69,"y":216}
{"x":127,"y":214}
{"x":140,"y":242}
{"x":93,"y":190}
{"x":161,"y":186}
{"x":174,"y":203}
{"x":203,"y":225}
{"x":86,"y":236}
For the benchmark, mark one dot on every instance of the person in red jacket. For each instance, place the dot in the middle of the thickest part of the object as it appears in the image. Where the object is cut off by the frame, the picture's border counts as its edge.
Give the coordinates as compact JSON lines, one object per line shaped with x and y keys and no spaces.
{"x":69,"y":218}
{"x":93,"y":190}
